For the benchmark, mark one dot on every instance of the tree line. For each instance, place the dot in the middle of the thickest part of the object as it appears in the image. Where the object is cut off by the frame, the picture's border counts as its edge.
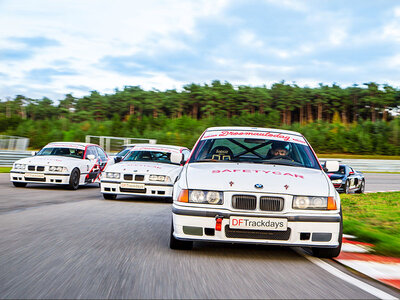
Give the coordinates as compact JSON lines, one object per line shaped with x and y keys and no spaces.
{"x":294,"y":104}
{"x":357,"y":119}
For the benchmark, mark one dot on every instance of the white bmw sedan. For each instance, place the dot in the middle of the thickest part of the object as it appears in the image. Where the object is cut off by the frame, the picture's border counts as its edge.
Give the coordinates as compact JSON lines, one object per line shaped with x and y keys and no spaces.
{"x":256,"y":185}
{"x":147,"y":170}
{"x":67,"y":163}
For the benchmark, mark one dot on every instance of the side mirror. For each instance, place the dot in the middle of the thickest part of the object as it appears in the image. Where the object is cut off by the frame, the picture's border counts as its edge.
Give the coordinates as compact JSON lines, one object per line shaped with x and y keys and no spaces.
{"x":90,"y":157}
{"x":117,"y":159}
{"x":332,"y":166}
{"x":351,"y":173}
{"x":33,"y":153}
{"x":176,"y":158}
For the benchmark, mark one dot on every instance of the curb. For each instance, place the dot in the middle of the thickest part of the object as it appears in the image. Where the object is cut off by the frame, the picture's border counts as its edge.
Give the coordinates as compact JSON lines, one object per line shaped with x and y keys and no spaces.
{"x":357,"y":256}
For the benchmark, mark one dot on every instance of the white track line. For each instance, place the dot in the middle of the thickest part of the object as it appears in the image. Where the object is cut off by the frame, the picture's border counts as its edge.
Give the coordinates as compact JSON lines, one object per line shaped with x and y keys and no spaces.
{"x":358,"y":283}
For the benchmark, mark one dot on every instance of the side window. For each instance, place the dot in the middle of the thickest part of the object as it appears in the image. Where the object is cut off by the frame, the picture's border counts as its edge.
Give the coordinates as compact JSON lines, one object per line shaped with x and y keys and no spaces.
{"x":102,"y":155}
{"x":91,"y":151}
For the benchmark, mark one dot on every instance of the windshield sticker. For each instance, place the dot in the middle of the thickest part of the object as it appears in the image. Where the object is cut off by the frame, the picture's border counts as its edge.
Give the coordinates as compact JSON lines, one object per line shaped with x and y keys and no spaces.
{"x":74,"y":146}
{"x":160,"y":149}
{"x":257,"y":172}
{"x":254,"y":134}
{"x":132,"y":164}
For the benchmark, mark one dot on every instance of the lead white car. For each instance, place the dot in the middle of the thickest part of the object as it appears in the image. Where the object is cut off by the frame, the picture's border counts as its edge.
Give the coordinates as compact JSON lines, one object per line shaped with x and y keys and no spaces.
{"x":67,"y":163}
{"x":256,"y":185}
{"x":147,"y":170}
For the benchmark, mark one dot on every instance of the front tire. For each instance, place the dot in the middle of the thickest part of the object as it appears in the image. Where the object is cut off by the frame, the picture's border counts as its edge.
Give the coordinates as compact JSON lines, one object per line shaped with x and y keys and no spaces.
{"x":178,"y":244}
{"x":362,"y":188}
{"x":347,"y":187}
{"x":19,"y":184}
{"x":110,"y":196}
{"x":331,"y":252}
{"x":74,"y":179}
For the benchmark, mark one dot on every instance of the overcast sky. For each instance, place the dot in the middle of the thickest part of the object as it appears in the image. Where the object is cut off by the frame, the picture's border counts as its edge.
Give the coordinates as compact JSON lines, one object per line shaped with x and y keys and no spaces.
{"x":54,"y":47}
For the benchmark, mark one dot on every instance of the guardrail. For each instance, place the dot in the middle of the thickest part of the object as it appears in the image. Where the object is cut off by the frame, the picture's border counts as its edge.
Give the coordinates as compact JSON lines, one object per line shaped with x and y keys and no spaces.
{"x":7,"y":158}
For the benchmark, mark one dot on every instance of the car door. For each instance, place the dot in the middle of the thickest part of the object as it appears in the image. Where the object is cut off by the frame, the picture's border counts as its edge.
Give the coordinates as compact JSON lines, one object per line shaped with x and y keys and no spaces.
{"x":352,"y":178}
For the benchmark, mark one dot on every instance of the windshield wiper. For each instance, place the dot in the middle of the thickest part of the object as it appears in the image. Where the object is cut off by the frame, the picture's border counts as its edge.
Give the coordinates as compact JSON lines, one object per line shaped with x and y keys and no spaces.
{"x":283,"y":162}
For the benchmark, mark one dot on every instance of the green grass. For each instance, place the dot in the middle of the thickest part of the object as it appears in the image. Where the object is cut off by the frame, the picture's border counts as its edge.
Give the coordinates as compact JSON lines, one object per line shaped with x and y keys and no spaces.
{"x":5,"y":169}
{"x":374,"y":218}
{"x":354,"y":156}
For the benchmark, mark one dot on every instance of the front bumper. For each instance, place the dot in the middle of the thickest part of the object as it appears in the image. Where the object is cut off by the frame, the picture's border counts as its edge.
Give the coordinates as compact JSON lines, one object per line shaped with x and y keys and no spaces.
{"x":150,"y":189}
{"x":302,"y":230}
{"x":36,"y":177}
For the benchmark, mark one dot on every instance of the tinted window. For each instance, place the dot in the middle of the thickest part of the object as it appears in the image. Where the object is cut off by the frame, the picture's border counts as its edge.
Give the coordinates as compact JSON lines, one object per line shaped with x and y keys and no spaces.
{"x":70,"y":152}
{"x":254,"y":150}
{"x":102,"y":155}
{"x":154,"y":156}
{"x":91,"y":151}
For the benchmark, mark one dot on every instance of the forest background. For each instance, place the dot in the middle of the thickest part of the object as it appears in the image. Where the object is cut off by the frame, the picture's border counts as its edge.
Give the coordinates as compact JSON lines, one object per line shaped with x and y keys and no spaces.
{"x":356,"y":120}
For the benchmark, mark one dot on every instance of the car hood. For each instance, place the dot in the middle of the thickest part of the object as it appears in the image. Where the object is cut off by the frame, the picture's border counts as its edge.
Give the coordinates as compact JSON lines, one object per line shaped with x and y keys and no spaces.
{"x":143,"y":167}
{"x":52,"y":160}
{"x":244,"y":177}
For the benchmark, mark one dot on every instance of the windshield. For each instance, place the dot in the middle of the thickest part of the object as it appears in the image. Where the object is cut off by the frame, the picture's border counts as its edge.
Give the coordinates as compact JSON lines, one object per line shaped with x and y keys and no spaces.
{"x":122,"y":153}
{"x":69,"y":152}
{"x":255,"y":150}
{"x":154,"y":156}
{"x":341,"y":171}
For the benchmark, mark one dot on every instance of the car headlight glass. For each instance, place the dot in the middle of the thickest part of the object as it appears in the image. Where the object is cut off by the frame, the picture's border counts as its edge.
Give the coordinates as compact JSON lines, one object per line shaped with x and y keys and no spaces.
{"x":113,"y":175}
{"x":58,"y":169}
{"x":305,"y":202}
{"x":19,"y":166}
{"x":157,"y":177}
{"x":337,"y":181}
{"x":207,"y":197}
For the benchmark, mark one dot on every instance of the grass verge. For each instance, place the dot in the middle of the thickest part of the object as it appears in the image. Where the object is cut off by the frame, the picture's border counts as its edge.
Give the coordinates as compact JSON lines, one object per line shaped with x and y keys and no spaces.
{"x":374,"y":218}
{"x":5,"y":169}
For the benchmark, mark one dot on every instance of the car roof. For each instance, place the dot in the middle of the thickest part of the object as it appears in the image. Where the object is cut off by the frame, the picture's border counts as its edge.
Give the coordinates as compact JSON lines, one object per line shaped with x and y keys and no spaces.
{"x":159,"y":145}
{"x":254,"y":129}
{"x":71,"y":143}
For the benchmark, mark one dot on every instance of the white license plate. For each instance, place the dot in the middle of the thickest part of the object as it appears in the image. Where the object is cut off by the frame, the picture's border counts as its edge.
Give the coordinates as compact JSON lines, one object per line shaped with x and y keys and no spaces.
{"x":128,"y":185}
{"x":34,"y":175}
{"x":279,"y":224}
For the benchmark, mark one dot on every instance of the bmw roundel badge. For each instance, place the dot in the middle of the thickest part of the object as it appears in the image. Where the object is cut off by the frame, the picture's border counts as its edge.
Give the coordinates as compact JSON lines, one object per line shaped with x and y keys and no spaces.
{"x":258,"y":186}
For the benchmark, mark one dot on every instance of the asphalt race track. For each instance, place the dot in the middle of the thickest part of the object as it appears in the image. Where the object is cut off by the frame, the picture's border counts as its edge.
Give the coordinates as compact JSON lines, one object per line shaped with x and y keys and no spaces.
{"x":56,"y":243}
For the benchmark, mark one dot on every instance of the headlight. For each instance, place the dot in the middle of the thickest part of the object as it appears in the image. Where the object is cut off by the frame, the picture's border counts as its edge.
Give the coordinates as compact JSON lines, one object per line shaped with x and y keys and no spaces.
{"x":19,"y":166}
{"x":159,"y":178}
{"x":337,"y":181}
{"x":305,"y":202}
{"x":207,"y":197}
{"x":113,"y":175}
{"x":57,"y":169}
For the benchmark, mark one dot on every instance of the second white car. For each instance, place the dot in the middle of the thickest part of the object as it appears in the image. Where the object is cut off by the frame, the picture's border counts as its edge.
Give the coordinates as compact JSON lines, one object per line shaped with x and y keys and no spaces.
{"x":147,"y":170}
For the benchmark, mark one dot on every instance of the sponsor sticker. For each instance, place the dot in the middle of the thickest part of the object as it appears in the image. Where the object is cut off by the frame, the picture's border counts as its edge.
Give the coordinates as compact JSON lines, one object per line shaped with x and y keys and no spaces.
{"x":128,"y":185}
{"x":34,"y":175}
{"x":74,"y":146}
{"x":160,"y":149}
{"x":277,"y":224}
{"x":254,"y":134}
{"x":250,"y":171}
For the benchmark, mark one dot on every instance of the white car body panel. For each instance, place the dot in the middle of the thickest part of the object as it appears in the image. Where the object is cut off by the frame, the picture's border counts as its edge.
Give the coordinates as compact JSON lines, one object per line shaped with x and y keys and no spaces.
{"x":45,"y":176}
{"x":197,"y":221}
{"x":143,"y":169}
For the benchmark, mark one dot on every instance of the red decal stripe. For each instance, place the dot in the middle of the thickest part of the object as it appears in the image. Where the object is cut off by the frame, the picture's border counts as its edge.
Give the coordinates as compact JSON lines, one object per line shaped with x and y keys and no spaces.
{"x":367,"y":257}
